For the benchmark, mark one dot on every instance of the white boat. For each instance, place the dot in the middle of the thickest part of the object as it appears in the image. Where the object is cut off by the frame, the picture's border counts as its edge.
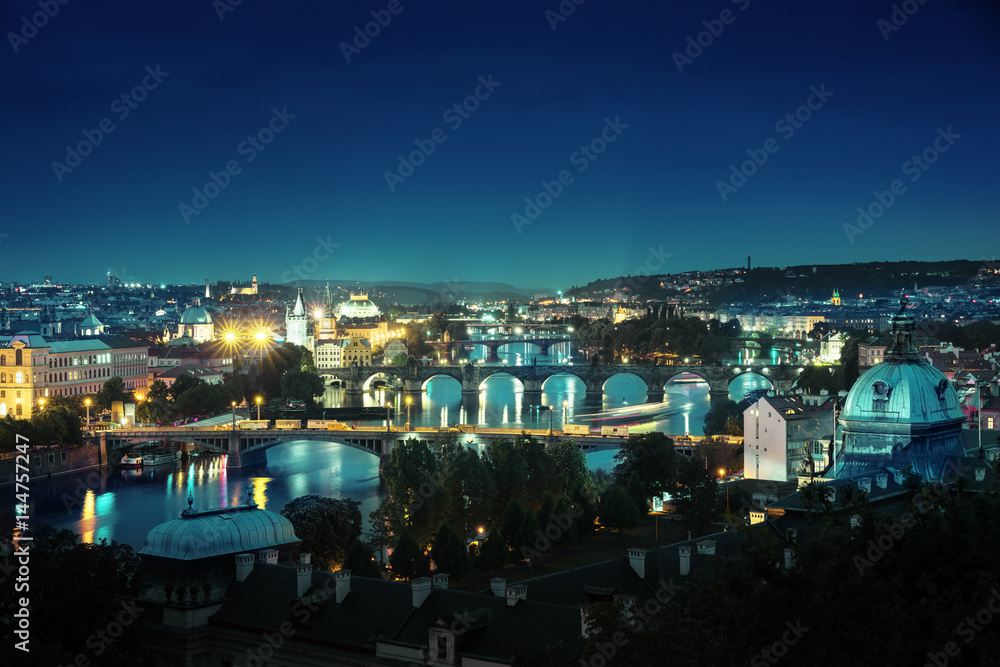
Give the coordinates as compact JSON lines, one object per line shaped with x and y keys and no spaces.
{"x":131,"y":460}
{"x":154,"y":457}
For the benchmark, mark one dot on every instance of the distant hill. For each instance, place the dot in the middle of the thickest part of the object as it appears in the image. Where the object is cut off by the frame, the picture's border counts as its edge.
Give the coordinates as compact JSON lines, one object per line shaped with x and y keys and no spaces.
{"x":428,"y":294}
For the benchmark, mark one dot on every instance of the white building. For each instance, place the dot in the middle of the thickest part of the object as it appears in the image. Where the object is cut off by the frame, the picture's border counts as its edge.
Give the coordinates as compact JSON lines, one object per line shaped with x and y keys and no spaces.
{"x":328,"y":354}
{"x":830,"y":346}
{"x":782,"y":434}
{"x":394,"y":347}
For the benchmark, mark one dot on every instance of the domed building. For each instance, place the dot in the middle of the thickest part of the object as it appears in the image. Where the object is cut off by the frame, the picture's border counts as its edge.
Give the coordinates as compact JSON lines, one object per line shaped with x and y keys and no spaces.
{"x":902,"y":413}
{"x":359,"y":306}
{"x":196,"y":322}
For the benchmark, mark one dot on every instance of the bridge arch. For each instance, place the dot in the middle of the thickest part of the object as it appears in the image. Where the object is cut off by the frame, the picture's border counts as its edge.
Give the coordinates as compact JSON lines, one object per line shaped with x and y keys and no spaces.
{"x":627,"y":383}
{"x":457,"y":377}
{"x":500,"y":374}
{"x":751,"y":372}
{"x":675,"y":375}
{"x":563,"y":374}
{"x":383,"y":374}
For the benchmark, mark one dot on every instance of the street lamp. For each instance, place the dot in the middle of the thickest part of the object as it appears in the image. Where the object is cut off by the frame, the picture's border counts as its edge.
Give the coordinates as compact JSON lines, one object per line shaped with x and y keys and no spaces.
{"x":409,"y":400}
{"x":722,"y":474}
{"x":234,"y":415}
{"x":565,"y":407}
{"x":258,"y":400}
{"x":87,"y":403}
{"x":388,"y":418}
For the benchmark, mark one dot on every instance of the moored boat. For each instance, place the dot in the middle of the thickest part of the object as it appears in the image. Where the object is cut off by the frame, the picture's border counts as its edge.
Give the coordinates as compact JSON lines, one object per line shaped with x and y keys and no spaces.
{"x":131,"y":460}
{"x":160,"y":456}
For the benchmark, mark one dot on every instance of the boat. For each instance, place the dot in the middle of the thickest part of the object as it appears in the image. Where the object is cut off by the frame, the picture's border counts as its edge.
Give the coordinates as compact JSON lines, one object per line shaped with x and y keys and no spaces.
{"x":130,"y":461}
{"x":159,"y":456}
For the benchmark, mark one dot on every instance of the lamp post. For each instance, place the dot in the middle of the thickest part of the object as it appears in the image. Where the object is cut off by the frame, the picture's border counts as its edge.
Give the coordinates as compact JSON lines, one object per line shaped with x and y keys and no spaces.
{"x":565,"y":408}
{"x":409,"y":400}
{"x":722,"y":474}
{"x":234,"y":415}
{"x":87,"y":402}
{"x":388,"y":417}
{"x":258,"y":400}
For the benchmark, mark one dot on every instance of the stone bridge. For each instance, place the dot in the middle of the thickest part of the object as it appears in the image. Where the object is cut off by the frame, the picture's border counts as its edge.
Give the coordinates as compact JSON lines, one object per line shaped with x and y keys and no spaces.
{"x":543,"y":343}
{"x":355,"y":379}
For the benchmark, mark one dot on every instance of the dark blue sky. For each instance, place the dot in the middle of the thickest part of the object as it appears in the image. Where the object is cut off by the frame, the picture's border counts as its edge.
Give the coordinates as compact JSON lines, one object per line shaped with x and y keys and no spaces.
{"x":656,"y":185}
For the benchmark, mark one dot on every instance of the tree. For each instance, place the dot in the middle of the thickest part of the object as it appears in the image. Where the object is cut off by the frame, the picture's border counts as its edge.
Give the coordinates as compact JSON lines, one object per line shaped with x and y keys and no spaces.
{"x":513,"y":518}
{"x":617,"y":511}
{"x":652,"y":457}
{"x":637,"y":493}
{"x":303,"y":385}
{"x":493,"y":552}
{"x":571,"y":464}
{"x":57,"y":426}
{"x":328,"y":527}
{"x":450,"y":552}
{"x":112,"y":390}
{"x":401,"y":359}
{"x":407,"y":561}
{"x":697,"y":498}
{"x":76,"y":588}
{"x":360,"y":562}
{"x":724,"y":418}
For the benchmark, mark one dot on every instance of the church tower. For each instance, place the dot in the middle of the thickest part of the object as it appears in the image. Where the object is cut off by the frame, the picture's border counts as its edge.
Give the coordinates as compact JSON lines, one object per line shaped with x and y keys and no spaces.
{"x":835,"y":301}
{"x":297,"y":323}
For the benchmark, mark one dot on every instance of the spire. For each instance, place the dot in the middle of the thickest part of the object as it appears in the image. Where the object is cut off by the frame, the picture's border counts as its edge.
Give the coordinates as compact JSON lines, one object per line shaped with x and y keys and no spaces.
{"x":300,"y":306}
{"x":208,"y":295}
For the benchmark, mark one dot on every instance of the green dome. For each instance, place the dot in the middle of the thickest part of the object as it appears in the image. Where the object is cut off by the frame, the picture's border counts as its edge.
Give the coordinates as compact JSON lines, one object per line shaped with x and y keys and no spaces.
{"x":196,"y":315}
{"x":218,"y":532}
{"x":902,"y":392}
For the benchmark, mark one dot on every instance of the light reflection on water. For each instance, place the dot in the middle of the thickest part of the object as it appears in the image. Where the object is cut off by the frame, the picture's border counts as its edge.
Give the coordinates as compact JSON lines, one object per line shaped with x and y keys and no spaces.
{"x":125,"y":504}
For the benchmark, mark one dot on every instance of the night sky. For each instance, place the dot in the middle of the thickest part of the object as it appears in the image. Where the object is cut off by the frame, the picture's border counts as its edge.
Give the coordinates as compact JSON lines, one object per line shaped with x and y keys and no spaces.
{"x":676,"y":126}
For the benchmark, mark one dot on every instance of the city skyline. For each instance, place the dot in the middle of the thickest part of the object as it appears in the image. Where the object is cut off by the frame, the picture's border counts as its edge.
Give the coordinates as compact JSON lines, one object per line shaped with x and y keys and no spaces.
{"x":629,"y":121}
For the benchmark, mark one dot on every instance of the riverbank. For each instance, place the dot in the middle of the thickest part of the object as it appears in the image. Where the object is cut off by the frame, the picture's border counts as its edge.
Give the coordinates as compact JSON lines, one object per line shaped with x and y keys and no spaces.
{"x":45,"y":462}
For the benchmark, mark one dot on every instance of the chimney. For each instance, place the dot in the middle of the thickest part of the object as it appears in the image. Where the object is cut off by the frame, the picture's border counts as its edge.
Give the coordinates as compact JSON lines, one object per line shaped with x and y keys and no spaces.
{"x":706,"y":548}
{"x":855,"y":520}
{"x":637,"y":559}
{"x":865,"y":484}
{"x":439,"y":580}
{"x":303,"y":575}
{"x":421,"y":587}
{"x":244,"y":566}
{"x":897,"y":475}
{"x":499,"y":586}
{"x":980,"y":474}
{"x":515,"y":593}
{"x":791,"y":534}
{"x":685,"y":553}
{"x":342,"y":579}
{"x":789,"y":558}
{"x":269,"y":556}
{"x":882,"y":480}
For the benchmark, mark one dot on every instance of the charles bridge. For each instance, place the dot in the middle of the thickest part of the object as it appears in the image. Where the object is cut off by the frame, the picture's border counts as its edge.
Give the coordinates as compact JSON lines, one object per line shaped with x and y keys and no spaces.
{"x":356,"y":379}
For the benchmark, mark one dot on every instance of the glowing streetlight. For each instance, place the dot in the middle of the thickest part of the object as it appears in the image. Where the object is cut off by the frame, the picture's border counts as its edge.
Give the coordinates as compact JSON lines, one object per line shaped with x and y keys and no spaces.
{"x":87,"y":403}
{"x":409,"y":400}
{"x":565,"y":408}
{"x":258,"y":400}
{"x":234,"y":415}
{"x":722,"y":474}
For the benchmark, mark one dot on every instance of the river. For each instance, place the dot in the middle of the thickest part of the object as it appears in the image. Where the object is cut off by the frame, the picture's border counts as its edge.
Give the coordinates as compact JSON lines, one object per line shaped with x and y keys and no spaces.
{"x":124,"y":505}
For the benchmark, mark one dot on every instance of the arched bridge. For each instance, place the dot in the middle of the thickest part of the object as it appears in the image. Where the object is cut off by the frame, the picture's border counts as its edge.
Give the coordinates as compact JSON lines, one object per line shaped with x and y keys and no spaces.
{"x":493,"y":345}
{"x":414,"y":376}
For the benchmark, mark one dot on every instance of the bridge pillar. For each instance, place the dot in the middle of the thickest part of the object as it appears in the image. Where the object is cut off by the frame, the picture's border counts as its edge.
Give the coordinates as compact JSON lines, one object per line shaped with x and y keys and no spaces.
{"x":716,"y":395}
{"x":234,"y":458}
{"x":492,"y":357}
{"x":543,"y":348}
{"x":531,"y":396}
{"x":654,"y":395}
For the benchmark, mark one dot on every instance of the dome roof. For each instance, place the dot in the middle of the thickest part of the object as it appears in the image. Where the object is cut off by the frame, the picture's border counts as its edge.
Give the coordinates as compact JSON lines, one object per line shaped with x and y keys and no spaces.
{"x":902,"y":392}
{"x":218,"y":532}
{"x":91,"y":321}
{"x":358,"y":306}
{"x":196,"y":315}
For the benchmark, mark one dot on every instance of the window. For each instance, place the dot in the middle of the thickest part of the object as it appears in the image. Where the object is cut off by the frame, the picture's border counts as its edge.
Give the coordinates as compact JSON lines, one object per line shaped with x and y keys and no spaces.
{"x":52,"y":458}
{"x":18,"y":357}
{"x":62,"y":456}
{"x":19,"y":377}
{"x":3,"y":409}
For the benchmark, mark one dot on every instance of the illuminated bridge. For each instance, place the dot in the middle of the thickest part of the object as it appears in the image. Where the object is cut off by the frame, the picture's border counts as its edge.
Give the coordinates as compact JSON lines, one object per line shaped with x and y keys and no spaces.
{"x":247,"y":447}
{"x":356,"y":379}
